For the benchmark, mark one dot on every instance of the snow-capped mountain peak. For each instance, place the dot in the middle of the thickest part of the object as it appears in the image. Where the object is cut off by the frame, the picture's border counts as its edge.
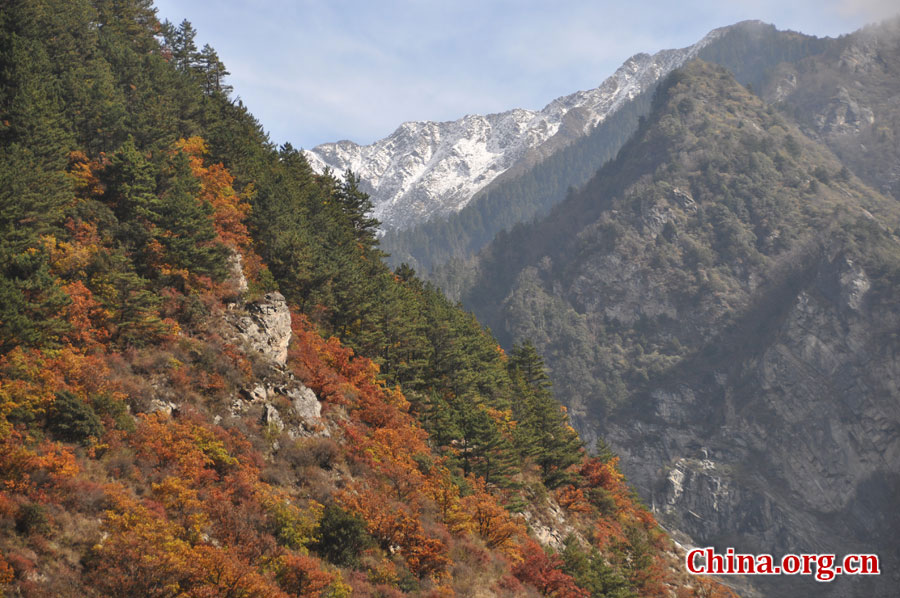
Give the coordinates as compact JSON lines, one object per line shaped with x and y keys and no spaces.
{"x":425,"y":168}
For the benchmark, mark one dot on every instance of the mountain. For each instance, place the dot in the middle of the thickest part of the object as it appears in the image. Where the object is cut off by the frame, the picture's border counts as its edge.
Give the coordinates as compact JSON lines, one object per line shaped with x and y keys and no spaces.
{"x":846,"y":98}
{"x":427,"y":169}
{"x":212,"y":386}
{"x":752,"y":50}
{"x":719,"y":303}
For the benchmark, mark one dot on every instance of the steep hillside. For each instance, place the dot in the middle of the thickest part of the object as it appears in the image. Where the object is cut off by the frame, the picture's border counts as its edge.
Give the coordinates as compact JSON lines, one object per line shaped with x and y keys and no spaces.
{"x":719,"y":303}
{"x":210,"y":384}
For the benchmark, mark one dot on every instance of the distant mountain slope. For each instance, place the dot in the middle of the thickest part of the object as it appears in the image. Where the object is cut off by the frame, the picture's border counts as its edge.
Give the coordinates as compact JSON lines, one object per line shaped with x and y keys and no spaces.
{"x":849,"y":97}
{"x":427,"y":169}
{"x":720,"y":303}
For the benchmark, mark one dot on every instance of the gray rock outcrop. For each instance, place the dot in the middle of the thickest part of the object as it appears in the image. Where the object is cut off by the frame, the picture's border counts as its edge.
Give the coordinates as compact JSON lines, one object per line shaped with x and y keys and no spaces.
{"x":265,"y":326}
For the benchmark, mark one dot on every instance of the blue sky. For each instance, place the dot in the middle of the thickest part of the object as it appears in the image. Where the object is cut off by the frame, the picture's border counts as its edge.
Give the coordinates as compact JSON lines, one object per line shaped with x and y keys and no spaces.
{"x":322,"y":70}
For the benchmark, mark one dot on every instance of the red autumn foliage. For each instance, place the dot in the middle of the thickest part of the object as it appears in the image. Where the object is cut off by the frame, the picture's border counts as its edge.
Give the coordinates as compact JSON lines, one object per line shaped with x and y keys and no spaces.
{"x":302,"y":575}
{"x":545,"y":573}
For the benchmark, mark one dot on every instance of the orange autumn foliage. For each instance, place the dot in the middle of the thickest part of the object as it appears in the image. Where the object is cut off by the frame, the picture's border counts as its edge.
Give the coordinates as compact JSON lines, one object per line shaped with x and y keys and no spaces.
{"x":87,"y":318}
{"x":393,"y":524}
{"x":193,"y":450}
{"x":49,"y":462}
{"x":230,"y":210}
{"x":572,"y":499}
{"x":492,"y":522}
{"x":143,"y":555}
{"x":302,"y":575}
{"x":388,"y":438}
{"x":83,"y":173}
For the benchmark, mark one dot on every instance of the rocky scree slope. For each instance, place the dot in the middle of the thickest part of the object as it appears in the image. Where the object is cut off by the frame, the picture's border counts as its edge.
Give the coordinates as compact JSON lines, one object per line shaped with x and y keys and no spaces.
{"x":720,"y":303}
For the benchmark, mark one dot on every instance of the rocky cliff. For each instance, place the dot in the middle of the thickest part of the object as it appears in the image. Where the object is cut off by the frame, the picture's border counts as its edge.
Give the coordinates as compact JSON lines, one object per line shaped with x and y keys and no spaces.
{"x":847,"y":98}
{"x":791,"y":444}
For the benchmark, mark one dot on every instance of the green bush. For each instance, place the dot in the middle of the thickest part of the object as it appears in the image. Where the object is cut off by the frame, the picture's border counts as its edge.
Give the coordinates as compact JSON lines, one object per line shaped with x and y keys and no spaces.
{"x":342,"y":537}
{"x":32,"y":519}
{"x":72,"y":420}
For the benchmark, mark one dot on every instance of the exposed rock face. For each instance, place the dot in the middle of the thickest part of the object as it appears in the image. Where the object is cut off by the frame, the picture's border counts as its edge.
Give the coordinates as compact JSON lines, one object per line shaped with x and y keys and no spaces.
{"x":795,"y":447}
{"x":846,"y":97}
{"x":281,"y":401}
{"x":844,"y":114}
{"x":303,"y":400}
{"x":266,"y":326}
{"x":549,"y":525}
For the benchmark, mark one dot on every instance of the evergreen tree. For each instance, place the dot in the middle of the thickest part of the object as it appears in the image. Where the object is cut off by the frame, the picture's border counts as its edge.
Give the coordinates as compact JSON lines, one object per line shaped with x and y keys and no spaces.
{"x":544,"y":432}
{"x":484,"y":450}
{"x":183,"y":47}
{"x":357,"y":207}
{"x":213,"y":72}
{"x":184,"y":223}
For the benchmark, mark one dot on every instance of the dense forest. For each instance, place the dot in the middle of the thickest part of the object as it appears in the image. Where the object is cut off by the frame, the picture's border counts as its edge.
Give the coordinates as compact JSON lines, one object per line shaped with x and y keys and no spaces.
{"x":145,"y":218}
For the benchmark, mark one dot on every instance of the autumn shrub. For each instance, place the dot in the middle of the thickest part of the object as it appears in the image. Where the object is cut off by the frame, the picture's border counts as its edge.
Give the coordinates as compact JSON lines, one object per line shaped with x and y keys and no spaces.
{"x":32,"y":519}
{"x":304,"y":576}
{"x":6,"y":573}
{"x":312,"y":452}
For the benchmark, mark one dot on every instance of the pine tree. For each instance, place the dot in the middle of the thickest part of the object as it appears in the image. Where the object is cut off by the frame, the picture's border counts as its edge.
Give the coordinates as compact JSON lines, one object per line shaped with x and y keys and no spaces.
{"x":357,"y":207}
{"x":544,"y":432}
{"x":34,"y":142}
{"x":184,"y":223}
{"x":484,"y":450}
{"x":184,"y":48}
{"x":213,"y":72}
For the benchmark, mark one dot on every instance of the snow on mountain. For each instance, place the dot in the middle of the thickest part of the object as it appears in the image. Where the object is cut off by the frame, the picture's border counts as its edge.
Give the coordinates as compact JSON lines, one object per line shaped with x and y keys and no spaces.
{"x":428,"y":168}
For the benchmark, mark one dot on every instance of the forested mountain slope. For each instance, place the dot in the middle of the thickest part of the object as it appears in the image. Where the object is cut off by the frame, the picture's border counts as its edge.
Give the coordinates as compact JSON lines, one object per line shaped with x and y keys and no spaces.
{"x":210,"y":384}
{"x":720,"y":303}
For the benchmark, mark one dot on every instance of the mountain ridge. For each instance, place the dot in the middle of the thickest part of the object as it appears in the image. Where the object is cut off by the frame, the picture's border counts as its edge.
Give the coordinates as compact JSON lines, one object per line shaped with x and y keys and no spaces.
{"x":426,"y":169}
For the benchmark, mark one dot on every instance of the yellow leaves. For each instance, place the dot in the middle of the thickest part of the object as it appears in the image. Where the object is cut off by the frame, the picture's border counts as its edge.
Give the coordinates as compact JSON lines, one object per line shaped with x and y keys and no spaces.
{"x":193,"y":448}
{"x":27,"y":384}
{"x":69,"y":260}
{"x":294,"y":527}
{"x":492,"y":522}
{"x":193,"y":146}
{"x":83,"y":173}
{"x":183,"y":505}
